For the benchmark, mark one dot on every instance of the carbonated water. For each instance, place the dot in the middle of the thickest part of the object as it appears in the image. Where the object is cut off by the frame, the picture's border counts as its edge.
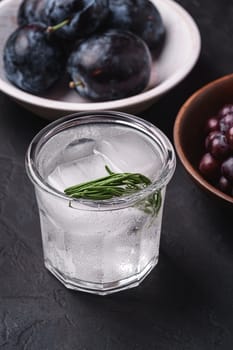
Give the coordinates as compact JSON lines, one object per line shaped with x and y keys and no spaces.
{"x":80,"y":242}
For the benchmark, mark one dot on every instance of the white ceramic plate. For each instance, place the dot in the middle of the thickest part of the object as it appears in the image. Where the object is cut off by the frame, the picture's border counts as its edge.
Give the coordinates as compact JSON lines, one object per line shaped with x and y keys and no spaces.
{"x":179,"y":55}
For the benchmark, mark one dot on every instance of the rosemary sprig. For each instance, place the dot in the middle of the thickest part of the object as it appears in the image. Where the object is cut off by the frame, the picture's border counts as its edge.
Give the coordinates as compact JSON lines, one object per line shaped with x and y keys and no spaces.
{"x":116,"y":185}
{"x":153,"y":203}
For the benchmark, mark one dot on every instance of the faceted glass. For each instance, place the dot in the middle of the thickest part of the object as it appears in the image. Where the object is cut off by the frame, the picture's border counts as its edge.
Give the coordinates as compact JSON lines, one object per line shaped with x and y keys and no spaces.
{"x":100,"y":246}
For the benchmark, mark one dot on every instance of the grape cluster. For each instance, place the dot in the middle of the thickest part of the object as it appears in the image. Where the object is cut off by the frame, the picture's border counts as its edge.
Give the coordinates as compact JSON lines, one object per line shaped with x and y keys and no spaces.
{"x":216,"y":165}
{"x":104,"y":46}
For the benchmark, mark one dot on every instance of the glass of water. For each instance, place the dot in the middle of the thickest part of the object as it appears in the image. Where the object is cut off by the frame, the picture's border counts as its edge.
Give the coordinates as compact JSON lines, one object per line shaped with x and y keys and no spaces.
{"x":100,"y":246}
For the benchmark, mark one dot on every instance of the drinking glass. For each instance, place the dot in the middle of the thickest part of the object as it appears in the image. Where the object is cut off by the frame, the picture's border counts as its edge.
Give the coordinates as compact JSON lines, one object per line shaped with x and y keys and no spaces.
{"x":100,"y":246}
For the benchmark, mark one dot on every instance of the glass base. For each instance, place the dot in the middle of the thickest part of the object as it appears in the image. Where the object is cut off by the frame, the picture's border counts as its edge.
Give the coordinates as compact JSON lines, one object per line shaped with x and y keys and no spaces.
{"x":102,"y":288}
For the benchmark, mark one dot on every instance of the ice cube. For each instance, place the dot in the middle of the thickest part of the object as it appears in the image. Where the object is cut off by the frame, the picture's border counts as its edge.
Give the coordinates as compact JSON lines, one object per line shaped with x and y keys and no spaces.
{"x":78,"y":148}
{"x":78,"y":171}
{"x":131,"y":153}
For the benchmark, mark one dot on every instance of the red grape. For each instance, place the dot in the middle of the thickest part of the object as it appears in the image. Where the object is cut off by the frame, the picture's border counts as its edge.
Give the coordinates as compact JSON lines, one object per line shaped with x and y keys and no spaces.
{"x":210,"y":137}
{"x":227,"y":109}
{"x":209,"y":166}
{"x":218,"y":147}
{"x":227,"y":169}
{"x":212,"y":124}
{"x":226,"y":122}
{"x":224,"y":185}
{"x":229,"y":136}
{"x":216,"y":165}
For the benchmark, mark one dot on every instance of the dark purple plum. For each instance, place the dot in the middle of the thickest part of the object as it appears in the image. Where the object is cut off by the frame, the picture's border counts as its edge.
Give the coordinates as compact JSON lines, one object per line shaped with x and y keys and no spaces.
{"x":31,"y":61}
{"x":31,"y":11}
{"x":75,"y":18}
{"x":68,"y":18}
{"x":140,"y":17}
{"x":109,"y":66}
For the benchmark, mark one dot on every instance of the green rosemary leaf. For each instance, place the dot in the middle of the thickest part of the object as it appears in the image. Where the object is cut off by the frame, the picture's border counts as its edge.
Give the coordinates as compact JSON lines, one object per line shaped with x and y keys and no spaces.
{"x":116,"y":185}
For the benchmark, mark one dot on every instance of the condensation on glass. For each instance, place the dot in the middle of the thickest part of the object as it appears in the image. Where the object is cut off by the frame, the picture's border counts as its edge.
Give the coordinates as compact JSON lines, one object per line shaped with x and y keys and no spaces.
{"x":99,"y":246}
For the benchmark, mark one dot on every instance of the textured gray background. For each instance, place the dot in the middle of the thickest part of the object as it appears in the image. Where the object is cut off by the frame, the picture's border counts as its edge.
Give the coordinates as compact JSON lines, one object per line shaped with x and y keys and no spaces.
{"x":187,"y":301}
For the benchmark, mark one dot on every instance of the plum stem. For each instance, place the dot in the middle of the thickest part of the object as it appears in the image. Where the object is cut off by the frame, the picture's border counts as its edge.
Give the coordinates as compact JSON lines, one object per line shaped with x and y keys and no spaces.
{"x":74,"y":84}
{"x":51,"y":29}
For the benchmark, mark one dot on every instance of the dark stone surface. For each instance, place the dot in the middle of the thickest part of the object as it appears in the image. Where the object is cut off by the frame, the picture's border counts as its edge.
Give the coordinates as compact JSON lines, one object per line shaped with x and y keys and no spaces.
{"x":186,"y":303}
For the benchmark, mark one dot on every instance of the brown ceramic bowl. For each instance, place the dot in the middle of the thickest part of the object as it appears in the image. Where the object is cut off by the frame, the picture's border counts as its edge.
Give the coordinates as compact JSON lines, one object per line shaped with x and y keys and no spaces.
{"x":189,"y":128}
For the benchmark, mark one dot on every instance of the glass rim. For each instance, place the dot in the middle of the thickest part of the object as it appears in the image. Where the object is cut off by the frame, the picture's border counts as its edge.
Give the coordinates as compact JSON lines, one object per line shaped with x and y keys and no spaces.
{"x":90,"y":117}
